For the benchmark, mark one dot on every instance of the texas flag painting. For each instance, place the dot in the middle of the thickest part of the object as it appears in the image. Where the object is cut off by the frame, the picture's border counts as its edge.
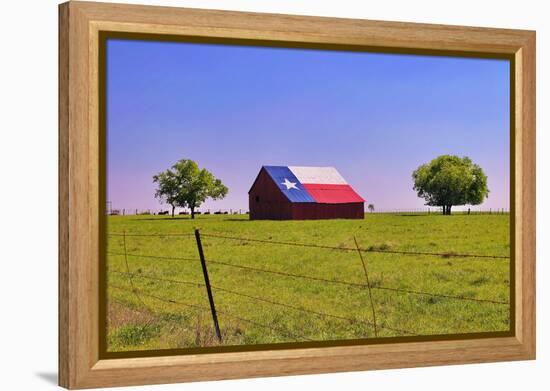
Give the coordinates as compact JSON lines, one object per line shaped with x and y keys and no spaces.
{"x":313,"y":184}
{"x":302,"y":188}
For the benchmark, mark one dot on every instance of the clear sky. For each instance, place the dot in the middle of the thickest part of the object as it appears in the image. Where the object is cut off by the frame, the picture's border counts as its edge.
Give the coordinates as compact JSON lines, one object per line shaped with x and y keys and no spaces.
{"x":232,"y":109}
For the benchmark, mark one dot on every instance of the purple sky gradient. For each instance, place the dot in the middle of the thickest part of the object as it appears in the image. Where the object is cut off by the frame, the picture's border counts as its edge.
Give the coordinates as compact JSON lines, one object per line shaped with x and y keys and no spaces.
{"x":375,"y":117}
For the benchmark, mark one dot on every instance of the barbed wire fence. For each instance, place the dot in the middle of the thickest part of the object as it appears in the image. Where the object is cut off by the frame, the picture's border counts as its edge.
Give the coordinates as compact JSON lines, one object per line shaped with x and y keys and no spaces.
{"x":283,"y":331}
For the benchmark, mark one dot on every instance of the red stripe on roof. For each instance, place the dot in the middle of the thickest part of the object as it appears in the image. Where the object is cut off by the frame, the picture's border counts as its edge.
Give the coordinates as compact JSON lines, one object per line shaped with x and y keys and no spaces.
{"x":332,"y":194}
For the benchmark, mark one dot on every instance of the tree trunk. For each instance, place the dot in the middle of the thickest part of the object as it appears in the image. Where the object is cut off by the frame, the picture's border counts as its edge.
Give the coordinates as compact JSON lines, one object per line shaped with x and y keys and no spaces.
{"x":446,"y":209}
{"x":173,"y":209}
{"x":192,"y":212}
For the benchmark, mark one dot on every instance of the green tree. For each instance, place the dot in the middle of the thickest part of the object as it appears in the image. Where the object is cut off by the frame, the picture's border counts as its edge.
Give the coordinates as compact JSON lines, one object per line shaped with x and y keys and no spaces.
{"x":168,"y":188}
{"x":186,"y":185}
{"x":450,"y":180}
{"x":370,"y":208}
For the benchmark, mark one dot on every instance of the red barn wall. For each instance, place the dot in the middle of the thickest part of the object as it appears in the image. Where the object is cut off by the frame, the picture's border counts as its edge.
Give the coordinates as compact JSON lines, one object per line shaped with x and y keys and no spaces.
{"x":266,"y":202}
{"x":313,"y":211}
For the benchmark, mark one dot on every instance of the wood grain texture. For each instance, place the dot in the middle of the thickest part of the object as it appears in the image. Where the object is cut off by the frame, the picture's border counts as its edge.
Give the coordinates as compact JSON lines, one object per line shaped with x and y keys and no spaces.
{"x":525,"y":122}
{"x":63,"y":220}
{"x":79,"y":200}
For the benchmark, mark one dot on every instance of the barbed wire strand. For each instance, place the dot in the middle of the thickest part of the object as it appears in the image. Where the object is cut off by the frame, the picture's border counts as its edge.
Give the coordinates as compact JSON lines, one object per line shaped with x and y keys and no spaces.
{"x":449,"y":254}
{"x":195,"y":306}
{"x":446,"y":255}
{"x":353,"y":284}
{"x":154,"y":234}
{"x":326,"y":280}
{"x":279,"y":330}
{"x":156,"y":256}
{"x":155,"y":314}
{"x":262,"y":299}
{"x":134,"y":290}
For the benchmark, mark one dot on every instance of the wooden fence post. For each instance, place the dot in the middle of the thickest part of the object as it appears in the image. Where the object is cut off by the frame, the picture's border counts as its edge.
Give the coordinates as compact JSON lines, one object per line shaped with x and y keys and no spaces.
{"x":207,"y":283}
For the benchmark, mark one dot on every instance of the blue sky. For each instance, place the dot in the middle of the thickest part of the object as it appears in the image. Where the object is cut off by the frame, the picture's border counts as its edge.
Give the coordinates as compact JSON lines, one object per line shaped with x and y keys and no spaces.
{"x":232,"y":109}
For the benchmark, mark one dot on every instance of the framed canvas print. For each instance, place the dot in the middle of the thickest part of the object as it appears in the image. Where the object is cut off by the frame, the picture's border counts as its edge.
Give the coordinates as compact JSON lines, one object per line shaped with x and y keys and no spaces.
{"x":248,"y":195}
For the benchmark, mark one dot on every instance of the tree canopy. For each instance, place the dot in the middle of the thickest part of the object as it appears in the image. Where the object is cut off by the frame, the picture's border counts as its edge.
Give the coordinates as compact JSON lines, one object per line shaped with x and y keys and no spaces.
{"x":450,"y":180}
{"x":185,"y":185}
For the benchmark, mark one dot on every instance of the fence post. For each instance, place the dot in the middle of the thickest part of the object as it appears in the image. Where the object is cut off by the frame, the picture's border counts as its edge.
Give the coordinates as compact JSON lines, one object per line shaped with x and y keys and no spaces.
{"x":368,"y":286}
{"x":207,"y":283}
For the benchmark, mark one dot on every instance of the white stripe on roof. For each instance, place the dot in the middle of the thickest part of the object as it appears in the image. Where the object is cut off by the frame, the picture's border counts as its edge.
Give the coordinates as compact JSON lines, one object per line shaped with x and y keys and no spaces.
{"x":323,"y":175}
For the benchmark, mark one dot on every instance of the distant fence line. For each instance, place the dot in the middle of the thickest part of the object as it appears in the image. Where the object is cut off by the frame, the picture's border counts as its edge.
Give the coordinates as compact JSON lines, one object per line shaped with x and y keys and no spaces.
{"x":137,"y":211}
{"x":145,"y":212}
{"x":439,"y":211}
{"x":204,"y":260}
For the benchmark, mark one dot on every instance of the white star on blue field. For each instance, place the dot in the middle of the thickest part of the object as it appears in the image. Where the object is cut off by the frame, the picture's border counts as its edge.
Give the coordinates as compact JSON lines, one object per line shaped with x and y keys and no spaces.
{"x":289,"y":185}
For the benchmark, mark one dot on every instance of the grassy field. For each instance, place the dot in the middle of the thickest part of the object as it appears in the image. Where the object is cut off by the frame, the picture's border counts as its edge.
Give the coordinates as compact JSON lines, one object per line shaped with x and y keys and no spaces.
{"x":141,"y":315}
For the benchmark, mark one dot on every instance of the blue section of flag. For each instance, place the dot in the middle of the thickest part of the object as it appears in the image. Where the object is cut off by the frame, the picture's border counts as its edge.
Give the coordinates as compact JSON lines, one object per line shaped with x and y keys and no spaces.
{"x":288,"y":183}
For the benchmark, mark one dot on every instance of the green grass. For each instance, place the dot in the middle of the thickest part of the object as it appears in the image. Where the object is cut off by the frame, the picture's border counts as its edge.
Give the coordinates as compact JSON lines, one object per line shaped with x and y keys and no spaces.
{"x":138,"y":321}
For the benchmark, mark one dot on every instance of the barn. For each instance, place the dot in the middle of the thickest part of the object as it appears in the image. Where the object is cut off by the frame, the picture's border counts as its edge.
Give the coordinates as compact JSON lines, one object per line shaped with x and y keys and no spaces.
{"x":303,"y":193}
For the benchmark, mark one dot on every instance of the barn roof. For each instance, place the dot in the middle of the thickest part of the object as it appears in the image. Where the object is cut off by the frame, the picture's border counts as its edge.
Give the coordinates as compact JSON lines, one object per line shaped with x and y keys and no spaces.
{"x":312,"y":184}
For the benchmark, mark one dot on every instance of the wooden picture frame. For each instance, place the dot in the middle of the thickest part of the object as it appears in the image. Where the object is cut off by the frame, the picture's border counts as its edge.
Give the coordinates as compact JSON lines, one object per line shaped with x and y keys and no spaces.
{"x":81,"y":205}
